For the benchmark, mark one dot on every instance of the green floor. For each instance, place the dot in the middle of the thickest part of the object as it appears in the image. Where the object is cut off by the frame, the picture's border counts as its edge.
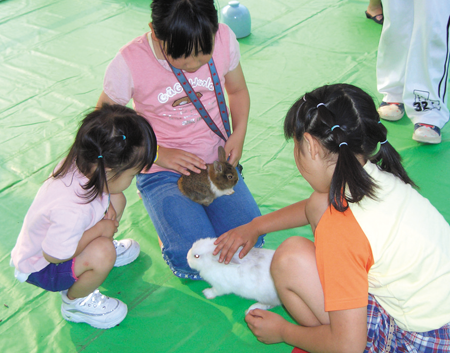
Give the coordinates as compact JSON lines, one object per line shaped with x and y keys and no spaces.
{"x":53,"y":54}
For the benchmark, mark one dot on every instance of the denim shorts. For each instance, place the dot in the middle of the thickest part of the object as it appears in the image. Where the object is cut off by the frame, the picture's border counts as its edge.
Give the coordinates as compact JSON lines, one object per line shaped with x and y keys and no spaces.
{"x":180,"y":222}
{"x":55,"y":277}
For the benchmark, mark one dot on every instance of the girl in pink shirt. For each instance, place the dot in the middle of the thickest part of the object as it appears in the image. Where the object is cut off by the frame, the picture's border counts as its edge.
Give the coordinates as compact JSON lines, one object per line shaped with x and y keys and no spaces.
{"x":66,"y":241}
{"x":185,"y":41}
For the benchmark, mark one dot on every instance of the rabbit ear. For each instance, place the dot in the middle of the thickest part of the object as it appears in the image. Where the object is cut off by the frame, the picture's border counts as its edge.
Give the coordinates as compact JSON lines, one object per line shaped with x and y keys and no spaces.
{"x":218,"y":167}
{"x":222,"y":155}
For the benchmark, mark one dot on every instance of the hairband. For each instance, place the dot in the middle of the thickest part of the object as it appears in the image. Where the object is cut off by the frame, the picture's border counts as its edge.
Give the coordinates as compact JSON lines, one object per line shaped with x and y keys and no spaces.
{"x":100,"y":156}
{"x":318,"y":105}
{"x":157,"y":154}
{"x":304,"y":99}
{"x":343,"y":143}
{"x":124,"y":137}
{"x":382,"y":143}
{"x":336,"y":126}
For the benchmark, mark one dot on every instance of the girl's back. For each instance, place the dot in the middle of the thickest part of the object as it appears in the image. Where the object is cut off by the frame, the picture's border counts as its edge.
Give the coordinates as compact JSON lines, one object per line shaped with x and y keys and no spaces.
{"x":57,"y":216}
{"x":405,"y":242}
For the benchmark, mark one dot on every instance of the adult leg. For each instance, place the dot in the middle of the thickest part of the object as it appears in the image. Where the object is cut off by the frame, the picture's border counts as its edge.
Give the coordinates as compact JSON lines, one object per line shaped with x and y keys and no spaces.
{"x":426,"y":73}
{"x":231,"y":211}
{"x":296,"y":279}
{"x":178,"y":220}
{"x":393,"y":49}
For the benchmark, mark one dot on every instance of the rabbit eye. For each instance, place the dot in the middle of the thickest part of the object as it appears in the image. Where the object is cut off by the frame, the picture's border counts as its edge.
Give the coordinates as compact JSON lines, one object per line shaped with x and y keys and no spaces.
{"x":196,"y":256}
{"x":229,"y":176}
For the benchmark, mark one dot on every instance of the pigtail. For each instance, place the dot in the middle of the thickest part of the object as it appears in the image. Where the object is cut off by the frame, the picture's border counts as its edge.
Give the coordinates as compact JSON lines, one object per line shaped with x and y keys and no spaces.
{"x":388,"y":159}
{"x":350,"y":182}
{"x":349,"y":174}
{"x":97,"y":181}
{"x":344,"y":119}
{"x":113,"y":137}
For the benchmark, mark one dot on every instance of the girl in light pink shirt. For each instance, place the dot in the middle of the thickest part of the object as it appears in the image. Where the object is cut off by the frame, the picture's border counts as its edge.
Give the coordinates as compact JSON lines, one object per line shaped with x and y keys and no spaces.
{"x":66,"y":241}
{"x":186,"y":41}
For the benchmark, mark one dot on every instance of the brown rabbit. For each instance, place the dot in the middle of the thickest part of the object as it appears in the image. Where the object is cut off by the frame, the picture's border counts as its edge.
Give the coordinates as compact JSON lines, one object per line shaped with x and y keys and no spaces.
{"x":216,"y":180}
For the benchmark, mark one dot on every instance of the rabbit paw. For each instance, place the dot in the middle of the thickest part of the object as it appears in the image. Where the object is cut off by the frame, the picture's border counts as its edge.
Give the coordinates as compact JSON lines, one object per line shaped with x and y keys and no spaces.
{"x":210,"y":293}
{"x":229,"y":192}
{"x":259,"y":306}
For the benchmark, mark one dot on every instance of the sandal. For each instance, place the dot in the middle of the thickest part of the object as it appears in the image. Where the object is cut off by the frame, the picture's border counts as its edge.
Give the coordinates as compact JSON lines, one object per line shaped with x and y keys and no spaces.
{"x":377,"y":18}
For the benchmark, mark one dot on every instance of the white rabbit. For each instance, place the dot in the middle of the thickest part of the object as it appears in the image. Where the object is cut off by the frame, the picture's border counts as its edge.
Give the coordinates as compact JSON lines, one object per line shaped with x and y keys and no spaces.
{"x":248,"y":277}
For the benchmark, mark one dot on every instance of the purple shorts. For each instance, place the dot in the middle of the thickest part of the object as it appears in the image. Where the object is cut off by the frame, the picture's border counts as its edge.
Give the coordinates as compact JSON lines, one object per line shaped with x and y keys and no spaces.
{"x":385,"y":336}
{"x":55,"y":277}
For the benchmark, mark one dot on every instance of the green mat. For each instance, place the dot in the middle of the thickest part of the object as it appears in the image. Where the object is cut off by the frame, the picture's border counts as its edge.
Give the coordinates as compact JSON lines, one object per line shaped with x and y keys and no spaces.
{"x":53,"y":54}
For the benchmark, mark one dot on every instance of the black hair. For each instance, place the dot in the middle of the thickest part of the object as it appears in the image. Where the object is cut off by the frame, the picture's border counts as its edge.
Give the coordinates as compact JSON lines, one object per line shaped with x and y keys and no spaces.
{"x":344,"y":119}
{"x":114,"y":137}
{"x":185,"y":26}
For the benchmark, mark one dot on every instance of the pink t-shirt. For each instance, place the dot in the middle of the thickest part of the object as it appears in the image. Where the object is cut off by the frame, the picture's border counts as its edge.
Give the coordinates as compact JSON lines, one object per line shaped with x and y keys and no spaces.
{"x":55,"y":222}
{"x":135,"y":73}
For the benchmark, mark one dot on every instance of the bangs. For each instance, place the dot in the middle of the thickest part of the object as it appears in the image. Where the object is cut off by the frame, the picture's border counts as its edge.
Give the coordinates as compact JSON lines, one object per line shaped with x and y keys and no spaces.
{"x":186,"y":27}
{"x":187,"y":38}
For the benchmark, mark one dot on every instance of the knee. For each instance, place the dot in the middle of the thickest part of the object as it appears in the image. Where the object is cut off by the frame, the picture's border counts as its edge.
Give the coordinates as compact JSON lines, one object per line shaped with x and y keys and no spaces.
{"x":294,"y":253}
{"x":102,"y":253}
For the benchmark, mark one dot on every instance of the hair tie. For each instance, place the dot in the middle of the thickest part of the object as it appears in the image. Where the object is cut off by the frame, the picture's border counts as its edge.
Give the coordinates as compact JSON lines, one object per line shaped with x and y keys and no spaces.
{"x":100,"y":156}
{"x":124,"y":137}
{"x":318,"y":105}
{"x":304,"y":99}
{"x":157,"y":154}
{"x":336,"y":126}
{"x":379,"y":121}
{"x":382,"y":143}
{"x":343,"y":143}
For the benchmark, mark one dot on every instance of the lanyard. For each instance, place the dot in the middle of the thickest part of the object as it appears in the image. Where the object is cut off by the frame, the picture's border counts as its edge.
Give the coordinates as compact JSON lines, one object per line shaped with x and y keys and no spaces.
{"x":199,"y":105}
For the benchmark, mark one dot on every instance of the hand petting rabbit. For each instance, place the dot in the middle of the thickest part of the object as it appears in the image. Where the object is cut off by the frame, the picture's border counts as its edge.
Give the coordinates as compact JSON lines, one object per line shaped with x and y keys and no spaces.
{"x":248,"y":277}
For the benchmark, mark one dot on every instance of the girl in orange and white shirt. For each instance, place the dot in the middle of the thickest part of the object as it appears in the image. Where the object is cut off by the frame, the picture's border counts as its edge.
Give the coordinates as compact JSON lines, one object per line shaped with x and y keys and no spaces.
{"x":376,"y":278}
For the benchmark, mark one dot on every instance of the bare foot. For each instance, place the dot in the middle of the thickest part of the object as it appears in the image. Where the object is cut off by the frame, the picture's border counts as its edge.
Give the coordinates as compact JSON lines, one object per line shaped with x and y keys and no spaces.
{"x":375,"y":11}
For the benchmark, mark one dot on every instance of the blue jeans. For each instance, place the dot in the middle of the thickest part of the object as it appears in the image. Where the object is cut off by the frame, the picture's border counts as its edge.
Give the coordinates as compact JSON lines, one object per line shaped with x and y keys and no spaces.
{"x":180,"y":222}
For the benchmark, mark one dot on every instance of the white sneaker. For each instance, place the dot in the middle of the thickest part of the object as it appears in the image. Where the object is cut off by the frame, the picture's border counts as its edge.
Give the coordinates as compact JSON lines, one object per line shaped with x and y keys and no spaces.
{"x":391,"y":111}
{"x":426,"y":133}
{"x":96,"y":310}
{"x":127,"y":251}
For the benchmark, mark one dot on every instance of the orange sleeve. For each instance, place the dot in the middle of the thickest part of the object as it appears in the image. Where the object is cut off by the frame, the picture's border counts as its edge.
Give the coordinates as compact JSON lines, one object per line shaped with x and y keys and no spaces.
{"x":344,"y":257}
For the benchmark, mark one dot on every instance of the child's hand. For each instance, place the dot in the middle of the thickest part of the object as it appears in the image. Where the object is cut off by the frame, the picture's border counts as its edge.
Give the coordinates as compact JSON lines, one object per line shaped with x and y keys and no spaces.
{"x":110,"y":213}
{"x":266,"y":325}
{"x":233,"y":149}
{"x":108,"y":227}
{"x":229,"y":242}
{"x":179,"y":160}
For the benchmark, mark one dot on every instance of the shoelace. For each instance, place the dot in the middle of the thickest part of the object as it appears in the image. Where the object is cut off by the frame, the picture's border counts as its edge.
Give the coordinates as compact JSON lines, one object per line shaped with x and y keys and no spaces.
{"x":117,"y":244}
{"x":96,"y":298}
